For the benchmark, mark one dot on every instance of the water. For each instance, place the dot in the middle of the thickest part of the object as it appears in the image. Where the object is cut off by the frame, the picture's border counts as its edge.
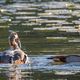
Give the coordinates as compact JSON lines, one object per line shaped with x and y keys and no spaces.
{"x":41,"y":68}
{"x":46,"y":28}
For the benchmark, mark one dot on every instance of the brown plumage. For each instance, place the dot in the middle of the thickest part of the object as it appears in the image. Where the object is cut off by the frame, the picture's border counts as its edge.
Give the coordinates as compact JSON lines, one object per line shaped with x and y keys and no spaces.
{"x":15,"y":44}
{"x":14,"y":40}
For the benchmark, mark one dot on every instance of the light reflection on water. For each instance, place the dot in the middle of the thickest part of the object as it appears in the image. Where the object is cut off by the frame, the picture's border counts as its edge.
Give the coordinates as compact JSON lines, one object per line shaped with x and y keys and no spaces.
{"x":40,"y":67}
{"x":28,"y":19}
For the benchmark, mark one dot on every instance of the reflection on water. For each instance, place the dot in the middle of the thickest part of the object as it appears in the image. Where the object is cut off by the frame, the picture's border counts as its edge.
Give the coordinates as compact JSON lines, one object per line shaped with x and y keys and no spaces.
{"x":45,"y":27}
{"x":41,"y":68}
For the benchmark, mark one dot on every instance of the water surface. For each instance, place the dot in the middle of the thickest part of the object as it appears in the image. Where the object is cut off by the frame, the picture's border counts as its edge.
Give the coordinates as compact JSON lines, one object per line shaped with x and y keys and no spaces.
{"x":46,"y":28}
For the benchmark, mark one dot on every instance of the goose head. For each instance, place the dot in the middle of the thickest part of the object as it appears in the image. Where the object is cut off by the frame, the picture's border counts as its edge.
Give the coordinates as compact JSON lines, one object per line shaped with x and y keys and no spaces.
{"x":14,"y":40}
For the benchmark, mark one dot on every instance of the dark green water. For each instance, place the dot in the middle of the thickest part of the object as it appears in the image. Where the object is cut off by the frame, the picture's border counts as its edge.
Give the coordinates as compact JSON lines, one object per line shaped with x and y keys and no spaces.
{"x":45,"y":27}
